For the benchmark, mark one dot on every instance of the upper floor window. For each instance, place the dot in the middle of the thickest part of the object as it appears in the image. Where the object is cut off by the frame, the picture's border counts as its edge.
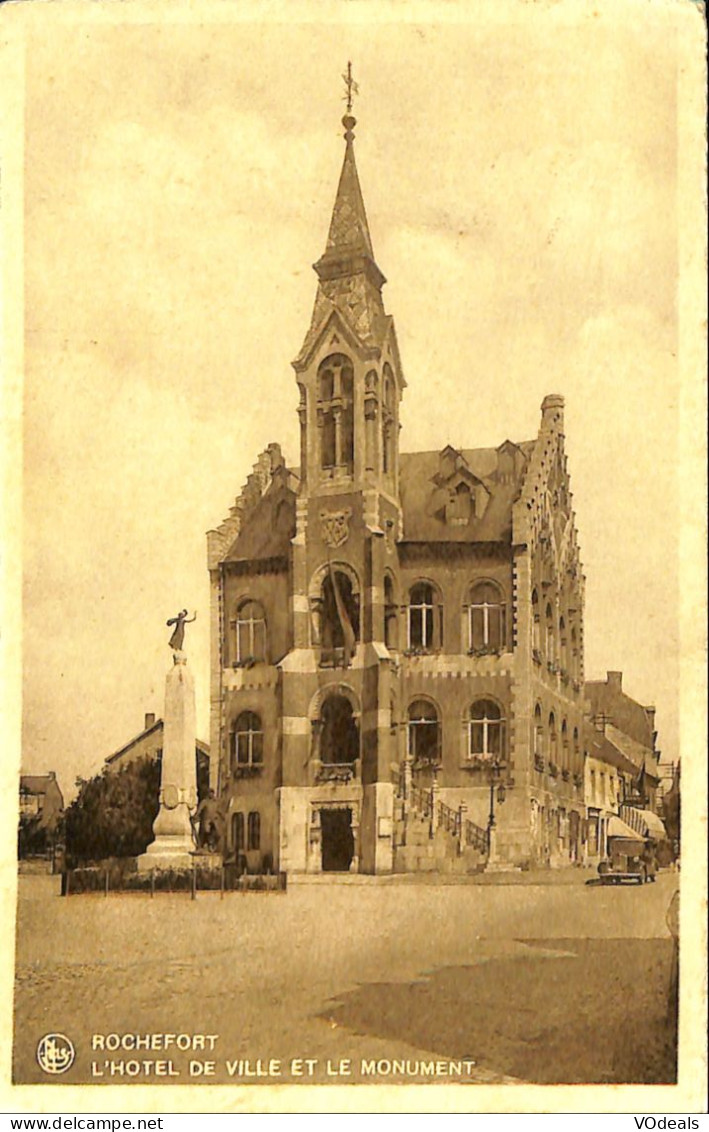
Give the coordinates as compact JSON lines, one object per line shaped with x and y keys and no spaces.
{"x":486,"y":730}
{"x":247,"y":741}
{"x":391,"y":621}
{"x":563,"y":655}
{"x":336,"y":413}
{"x":550,"y":642}
{"x":538,"y":732}
{"x":388,"y":420}
{"x":249,"y":632}
{"x":488,"y":612}
{"x":536,"y":633}
{"x":424,"y":618}
{"x":339,"y":731}
{"x":424,"y":732}
{"x":553,"y":741}
{"x":564,"y":745}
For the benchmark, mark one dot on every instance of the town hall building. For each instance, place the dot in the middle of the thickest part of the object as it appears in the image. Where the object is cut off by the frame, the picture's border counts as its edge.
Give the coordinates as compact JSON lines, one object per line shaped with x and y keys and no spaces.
{"x":396,"y":638}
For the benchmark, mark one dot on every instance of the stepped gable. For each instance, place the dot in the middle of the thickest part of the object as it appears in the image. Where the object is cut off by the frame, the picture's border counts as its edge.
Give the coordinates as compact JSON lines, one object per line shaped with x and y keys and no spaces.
{"x":270,"y":468}
{"x":423,"y":489}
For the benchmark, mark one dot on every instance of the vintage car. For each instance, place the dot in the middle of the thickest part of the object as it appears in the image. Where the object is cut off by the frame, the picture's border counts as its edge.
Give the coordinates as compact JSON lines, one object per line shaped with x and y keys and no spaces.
{"x":629,"y":859}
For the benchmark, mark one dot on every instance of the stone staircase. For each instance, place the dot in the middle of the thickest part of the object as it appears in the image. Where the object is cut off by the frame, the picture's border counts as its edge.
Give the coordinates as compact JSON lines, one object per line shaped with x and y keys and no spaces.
{"x":431,"y":837}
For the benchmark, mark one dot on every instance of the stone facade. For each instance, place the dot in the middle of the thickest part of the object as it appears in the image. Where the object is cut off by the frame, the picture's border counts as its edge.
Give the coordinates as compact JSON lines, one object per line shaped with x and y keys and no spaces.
{"x":381,"y":619}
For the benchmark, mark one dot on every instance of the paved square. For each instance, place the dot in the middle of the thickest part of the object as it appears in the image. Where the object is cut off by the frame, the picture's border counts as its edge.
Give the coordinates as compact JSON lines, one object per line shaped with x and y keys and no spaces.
{"x":552,"y":982}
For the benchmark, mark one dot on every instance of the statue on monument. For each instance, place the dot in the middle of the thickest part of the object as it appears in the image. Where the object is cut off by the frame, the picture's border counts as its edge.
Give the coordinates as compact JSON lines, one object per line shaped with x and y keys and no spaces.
{"x":178,"y":634}
{"x":207,"y":823}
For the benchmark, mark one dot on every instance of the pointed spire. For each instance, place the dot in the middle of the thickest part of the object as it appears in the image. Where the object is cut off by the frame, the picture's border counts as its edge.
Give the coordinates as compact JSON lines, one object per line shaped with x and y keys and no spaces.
{"x":349,"y":230}
{"x":349,"y":280}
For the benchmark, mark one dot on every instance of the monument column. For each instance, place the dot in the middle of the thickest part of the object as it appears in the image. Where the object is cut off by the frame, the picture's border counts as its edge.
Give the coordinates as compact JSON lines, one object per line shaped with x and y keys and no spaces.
{"x":173,"y":845}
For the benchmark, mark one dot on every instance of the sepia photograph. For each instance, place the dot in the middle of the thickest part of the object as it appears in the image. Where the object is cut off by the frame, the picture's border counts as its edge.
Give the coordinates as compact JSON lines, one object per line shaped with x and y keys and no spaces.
{"x":360,"y":730}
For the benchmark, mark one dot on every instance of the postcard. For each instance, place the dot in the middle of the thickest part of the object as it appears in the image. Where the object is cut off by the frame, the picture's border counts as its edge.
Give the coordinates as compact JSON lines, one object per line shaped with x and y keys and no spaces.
{"x":354,"y":563}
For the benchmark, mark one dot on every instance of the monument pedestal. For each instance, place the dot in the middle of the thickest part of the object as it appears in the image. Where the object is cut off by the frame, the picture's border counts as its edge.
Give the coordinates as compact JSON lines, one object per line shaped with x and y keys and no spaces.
{"x":174,"y":845}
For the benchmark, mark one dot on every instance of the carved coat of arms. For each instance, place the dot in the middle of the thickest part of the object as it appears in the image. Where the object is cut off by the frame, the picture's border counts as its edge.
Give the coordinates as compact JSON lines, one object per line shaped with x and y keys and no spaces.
{"x":335,"y":527}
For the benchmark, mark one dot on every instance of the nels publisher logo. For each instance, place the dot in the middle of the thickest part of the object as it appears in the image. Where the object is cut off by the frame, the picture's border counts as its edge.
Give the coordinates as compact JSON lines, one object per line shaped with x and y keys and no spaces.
{"x":55,"y":1053}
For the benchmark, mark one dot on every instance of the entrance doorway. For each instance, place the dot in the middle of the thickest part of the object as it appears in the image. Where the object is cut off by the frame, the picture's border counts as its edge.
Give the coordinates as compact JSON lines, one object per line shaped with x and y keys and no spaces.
{"x":337,"y":840}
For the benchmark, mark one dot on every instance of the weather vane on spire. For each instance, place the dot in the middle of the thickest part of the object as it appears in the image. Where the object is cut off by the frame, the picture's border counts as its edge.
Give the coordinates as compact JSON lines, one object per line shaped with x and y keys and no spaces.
{"x":350,"y":87}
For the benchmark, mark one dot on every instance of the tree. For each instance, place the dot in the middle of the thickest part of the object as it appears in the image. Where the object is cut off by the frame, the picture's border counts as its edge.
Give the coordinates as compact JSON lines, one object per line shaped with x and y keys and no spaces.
{"x":113,"y":814}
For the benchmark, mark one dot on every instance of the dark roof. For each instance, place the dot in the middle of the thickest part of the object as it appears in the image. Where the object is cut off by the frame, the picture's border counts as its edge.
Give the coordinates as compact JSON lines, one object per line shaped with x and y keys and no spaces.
{"x":606,"y":697}
{"x":422,"y":485}
{"x":600,"y":747}
{"x":37,"y":783}
{"x":268,"y":531}
{"x":158,"y":726}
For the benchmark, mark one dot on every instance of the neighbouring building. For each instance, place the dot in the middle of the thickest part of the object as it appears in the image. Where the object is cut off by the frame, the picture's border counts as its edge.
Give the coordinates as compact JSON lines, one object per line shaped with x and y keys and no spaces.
{"x":396,"y":638}
{"x":621,"y":775}
{"x":41,"y":808}
{"x":148,"y":743}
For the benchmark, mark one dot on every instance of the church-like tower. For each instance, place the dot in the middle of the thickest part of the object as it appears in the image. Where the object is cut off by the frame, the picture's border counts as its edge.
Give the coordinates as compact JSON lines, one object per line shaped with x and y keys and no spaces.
{"x":336,"y":679}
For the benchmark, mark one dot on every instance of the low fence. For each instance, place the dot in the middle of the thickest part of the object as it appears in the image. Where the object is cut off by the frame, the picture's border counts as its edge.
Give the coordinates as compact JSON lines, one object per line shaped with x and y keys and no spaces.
{"x":112,"y":878}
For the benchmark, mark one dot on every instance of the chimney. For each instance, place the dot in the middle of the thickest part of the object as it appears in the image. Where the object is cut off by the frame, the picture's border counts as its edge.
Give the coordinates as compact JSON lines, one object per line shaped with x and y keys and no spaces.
{"x":615,"y":680}
{"x":149,"y":720}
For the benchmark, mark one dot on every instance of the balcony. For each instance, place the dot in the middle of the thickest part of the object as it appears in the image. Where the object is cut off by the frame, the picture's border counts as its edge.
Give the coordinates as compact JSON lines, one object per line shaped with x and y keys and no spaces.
{"x":335,"y":773}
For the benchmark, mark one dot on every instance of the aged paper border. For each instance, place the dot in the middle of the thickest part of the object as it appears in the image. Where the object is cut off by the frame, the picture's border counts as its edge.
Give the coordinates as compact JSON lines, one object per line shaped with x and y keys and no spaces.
{"x":689,"y":1094}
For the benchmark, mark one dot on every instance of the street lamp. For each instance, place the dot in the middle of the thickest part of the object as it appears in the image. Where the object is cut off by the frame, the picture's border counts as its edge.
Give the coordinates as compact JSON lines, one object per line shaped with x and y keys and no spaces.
{"x":495,"y":770}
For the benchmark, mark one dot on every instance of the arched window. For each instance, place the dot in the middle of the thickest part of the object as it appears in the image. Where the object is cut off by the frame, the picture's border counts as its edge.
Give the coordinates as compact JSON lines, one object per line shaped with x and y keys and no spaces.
{"x":339,"y":619}
{"x":237,"y":832}
{"x":536,"y":634}
{"x":563,"y":658}
{"x":388,"y":421}
{"x":249,"y":633}
{"x":247,"y":741}
{"x":577,"y":764}
{"x":391,"y":625}
{"x":574,"y":654}
{"x":339,"y":736}
{"x":565,"y":753}
{"x":487,"y":730}
{"x":538,"y":733}
{"x":336,"y":413}
{"x":550,"y":642}
{"x":553,"y":741}
{"x":487,"y":617}
{"x":424,"y":618}
{"x":424,"y":732}
{"x":253,"y":830}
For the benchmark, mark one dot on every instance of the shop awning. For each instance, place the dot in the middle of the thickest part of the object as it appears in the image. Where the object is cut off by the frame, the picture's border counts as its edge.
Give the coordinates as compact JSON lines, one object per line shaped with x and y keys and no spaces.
{"x":653,"y":825}
{"x":618,"y":828}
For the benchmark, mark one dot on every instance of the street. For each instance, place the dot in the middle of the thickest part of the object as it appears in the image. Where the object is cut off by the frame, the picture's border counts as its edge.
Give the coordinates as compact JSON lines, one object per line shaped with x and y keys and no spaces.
{"x":535,"y":982}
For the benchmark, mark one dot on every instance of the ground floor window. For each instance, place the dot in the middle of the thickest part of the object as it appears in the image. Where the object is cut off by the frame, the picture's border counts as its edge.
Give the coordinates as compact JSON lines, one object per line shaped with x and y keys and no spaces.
{"x":237,"y":832}
{"x":253,"y":831}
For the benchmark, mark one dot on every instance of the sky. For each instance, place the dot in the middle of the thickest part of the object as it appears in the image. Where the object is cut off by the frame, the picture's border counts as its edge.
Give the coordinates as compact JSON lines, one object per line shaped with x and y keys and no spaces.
{"x":520,"y":179}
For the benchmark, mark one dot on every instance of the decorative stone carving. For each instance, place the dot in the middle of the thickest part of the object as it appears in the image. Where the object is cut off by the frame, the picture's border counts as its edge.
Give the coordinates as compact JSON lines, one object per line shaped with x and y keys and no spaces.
{"x":335,"y":527}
